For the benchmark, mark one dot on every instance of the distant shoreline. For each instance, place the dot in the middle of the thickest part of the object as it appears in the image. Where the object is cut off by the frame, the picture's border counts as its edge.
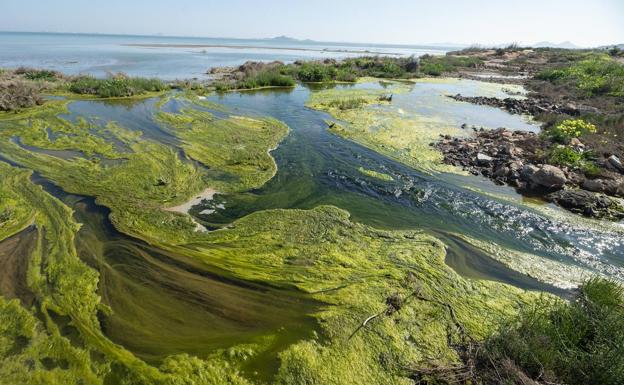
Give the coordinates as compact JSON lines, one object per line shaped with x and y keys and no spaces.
{"x":171,"y":45}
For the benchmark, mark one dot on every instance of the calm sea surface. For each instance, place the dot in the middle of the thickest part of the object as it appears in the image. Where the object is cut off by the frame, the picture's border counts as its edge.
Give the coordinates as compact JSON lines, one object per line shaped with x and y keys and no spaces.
{"x":174,"y":57}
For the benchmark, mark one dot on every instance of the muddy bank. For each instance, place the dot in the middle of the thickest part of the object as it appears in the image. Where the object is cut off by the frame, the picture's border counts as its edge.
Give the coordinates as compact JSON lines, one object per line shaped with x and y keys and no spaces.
{"x":518,"y":159}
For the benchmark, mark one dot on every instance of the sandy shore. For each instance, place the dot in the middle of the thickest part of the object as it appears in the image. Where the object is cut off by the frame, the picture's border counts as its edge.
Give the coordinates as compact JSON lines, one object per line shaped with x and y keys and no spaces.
{"x":157,"y":45}
{"x":185,"y":207}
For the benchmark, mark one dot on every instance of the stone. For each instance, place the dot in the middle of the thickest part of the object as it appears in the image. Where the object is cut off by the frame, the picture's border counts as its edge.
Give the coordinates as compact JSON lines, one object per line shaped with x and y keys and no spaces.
{"x":550,"y":177}
{"x":587,"y":203}
{"x":595,"y":185}
{"x":527,"y":171}
{"x":501,"y":172}
{"x":516,"y":165}
{"x":616,"y":163}
{"x":483,"y":159}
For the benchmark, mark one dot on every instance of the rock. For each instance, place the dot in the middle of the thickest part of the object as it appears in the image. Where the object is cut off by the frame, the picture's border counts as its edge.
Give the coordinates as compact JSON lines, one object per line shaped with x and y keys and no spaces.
{"x":595,"y":185}
{"x":483,"y":159}
{"x":587,"y":203}
{"x":550,"y":177}
{"x":527,"y":171}
{"x":516,"y":165}
{"x":616,"y":163}
{"x":501,"y":172}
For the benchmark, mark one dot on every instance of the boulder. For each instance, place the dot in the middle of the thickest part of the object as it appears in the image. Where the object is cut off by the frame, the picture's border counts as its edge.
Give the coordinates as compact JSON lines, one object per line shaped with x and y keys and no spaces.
{"x":549,"y":177}
{"x":501,"y":172}
{"x":595,"y":185}
{"x":588,"y":203}
{"x":527,"y":171}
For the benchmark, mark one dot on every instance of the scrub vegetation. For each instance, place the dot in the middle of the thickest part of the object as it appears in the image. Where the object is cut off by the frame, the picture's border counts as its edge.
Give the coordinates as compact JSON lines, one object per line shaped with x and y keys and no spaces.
{"x":26,"y":87}
{"x":115,"y":86}
{"x":552,"y":341}
{"x":253,"y":75}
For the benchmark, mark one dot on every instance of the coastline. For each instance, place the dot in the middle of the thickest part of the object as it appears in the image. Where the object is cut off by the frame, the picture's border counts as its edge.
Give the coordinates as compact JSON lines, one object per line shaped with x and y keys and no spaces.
{"x":234,"y":46}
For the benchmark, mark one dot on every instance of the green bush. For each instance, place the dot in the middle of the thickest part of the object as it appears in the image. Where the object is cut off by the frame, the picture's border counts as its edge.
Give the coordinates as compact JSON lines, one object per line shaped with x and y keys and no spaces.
{"x":570,"y":128}
{"x":579,"y":342}
{"x":598,"y":75}
{"x":265,"y":78}
{"x":565,"y":156}
{"x":316,"y":72}
{"x":437,"y":65}
{"x":115,"y":86}
{"x":348,"y":103}
{"x":33,"y":74}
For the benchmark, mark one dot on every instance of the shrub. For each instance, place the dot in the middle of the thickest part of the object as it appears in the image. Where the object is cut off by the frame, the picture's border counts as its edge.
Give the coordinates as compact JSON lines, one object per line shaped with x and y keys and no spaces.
{"x":16,"y":94}
{"x":35,"y":74}
{"x":437,"y":65}
{"x":576,"y":343}
{"x":565,"y":156}
{"x":570,"y":128}
{"x":598,"y":75}
{"x":115,"y":86}
{"x":348,"y":103}
{"x":316,"y":72}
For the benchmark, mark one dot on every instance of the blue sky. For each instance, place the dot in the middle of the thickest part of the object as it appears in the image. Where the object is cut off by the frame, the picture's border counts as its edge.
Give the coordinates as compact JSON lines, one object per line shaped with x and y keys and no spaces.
{"x":587,"y":23}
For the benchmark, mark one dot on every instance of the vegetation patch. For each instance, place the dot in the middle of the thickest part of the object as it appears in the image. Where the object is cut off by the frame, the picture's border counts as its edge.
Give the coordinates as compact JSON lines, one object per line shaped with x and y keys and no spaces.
{"x":598,"y":75}
{"x":552,"y":341}
{"x":116,"y":86}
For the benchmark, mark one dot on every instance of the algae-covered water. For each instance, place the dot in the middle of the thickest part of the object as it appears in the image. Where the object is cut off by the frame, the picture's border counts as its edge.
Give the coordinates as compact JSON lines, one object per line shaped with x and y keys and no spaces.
{"x":164,"y":302}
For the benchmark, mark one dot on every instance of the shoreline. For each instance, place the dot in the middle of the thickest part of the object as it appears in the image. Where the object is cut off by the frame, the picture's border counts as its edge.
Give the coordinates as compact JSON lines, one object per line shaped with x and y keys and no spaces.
{"x":233,"y":46}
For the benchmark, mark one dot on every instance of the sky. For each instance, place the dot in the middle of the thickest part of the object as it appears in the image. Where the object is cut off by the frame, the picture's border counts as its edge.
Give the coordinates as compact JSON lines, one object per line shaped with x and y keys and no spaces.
{"x":585,"y":23}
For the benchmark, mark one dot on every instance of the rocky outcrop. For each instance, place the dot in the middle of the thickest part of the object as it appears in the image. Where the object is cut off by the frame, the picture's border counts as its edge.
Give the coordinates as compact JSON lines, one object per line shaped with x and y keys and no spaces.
{"x":517,"y":158}
{"x":530,"y":106}
{"x":588,"y":203}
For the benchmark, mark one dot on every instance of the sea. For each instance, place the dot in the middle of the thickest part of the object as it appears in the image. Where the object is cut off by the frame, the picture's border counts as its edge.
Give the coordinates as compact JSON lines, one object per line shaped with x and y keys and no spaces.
{"x":168,"y":57}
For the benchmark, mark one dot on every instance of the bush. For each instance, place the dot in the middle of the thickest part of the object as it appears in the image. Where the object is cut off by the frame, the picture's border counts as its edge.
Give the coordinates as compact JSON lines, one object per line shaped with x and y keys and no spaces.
{"x":348,"y":103}
{"x":437,"y":65}
{"x":570,"y":128}
{"x":598,"y":75}
{"x":115,"y":86}
{"x":16,"y":94}
{"x":565,"y":156}
{"x":316,"y":72}
{"x":576,"y":343}
{"x":35,"y":74}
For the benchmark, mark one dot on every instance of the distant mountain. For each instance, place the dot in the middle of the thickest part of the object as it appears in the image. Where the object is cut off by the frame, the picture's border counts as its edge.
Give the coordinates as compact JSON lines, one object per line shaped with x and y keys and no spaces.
{"x":283,"y":38}
{"x":565,"y":44}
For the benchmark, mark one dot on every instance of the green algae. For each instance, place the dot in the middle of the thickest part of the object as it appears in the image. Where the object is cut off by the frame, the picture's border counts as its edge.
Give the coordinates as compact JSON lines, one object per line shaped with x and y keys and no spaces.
{"x":235,"y":145}
{"x":385,"y":129}
{"x":376,"y":174}
{"x":15,"y":214}
{"x":352,"y":269}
